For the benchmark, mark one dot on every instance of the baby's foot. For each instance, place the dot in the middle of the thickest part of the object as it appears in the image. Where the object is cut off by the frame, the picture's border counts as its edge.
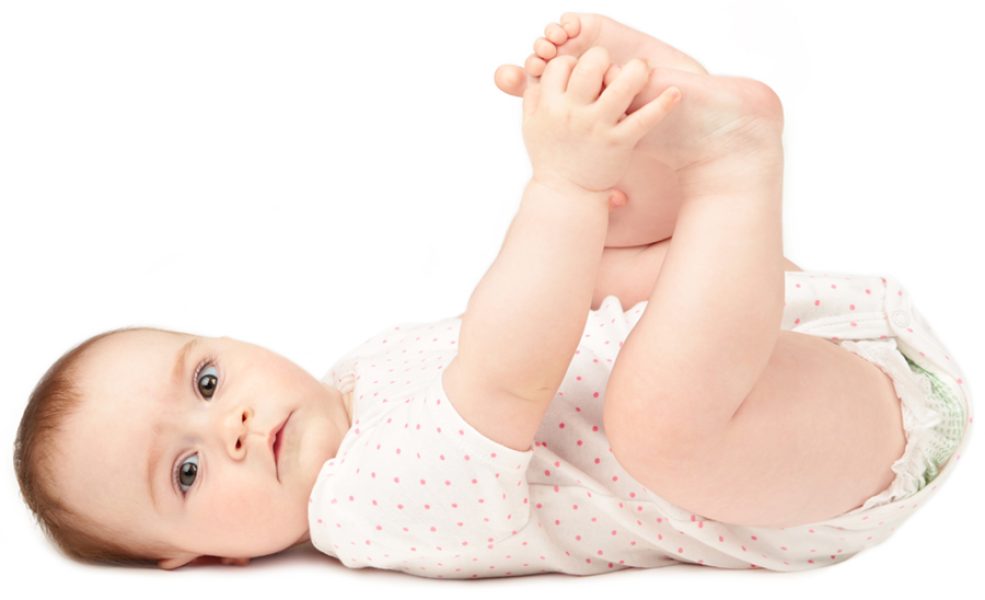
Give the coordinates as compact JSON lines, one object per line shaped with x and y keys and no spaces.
{"x":650,"y":190}
{"x":578,"y":32}
{"x":718,"y":121}
{"x":653,"y":190}
{"x":720,"y":110}
{"x":723,"y":135}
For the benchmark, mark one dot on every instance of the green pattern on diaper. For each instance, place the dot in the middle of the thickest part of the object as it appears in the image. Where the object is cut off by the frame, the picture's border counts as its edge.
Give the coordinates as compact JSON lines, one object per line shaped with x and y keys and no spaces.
{"x":951,"y":427}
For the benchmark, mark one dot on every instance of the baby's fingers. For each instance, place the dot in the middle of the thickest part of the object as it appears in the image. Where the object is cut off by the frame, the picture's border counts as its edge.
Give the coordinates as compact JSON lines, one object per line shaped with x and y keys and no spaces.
{"x":621,"y":86}
{"x":648,"y":116}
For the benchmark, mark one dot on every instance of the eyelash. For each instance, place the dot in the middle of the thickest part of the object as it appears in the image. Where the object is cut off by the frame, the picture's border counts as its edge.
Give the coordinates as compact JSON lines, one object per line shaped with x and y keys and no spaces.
{"x":208,"y":361}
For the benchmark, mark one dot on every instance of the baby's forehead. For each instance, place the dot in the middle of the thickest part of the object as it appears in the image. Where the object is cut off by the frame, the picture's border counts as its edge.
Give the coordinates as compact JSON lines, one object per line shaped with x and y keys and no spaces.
{"x":120,"y":353}
{"x":123,"y":379}
{"x":139,"y":339}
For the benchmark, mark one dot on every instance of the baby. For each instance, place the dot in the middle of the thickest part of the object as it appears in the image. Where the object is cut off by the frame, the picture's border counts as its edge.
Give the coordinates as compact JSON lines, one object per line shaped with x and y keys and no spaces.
{"x":716,"y":406}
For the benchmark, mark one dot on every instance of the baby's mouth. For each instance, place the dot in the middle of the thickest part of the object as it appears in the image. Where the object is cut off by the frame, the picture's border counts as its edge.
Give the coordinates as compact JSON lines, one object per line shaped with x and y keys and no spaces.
{"x":278,"y":439}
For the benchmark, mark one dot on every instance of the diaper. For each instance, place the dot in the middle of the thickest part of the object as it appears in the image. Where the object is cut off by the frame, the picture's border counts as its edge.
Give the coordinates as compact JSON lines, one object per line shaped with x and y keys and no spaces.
{"x":933,"y":418}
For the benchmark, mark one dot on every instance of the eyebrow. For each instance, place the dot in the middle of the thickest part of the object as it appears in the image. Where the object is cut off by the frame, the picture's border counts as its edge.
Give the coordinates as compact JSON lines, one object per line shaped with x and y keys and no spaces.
{"x":154,"y":457}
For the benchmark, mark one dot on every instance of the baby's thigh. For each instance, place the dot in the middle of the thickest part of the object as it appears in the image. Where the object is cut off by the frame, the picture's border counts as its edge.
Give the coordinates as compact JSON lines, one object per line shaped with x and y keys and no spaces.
{"x":815,"y":438}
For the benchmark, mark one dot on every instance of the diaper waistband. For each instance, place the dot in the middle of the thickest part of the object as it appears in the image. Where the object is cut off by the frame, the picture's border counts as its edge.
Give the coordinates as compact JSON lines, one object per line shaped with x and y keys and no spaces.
{"x":843,"y":306}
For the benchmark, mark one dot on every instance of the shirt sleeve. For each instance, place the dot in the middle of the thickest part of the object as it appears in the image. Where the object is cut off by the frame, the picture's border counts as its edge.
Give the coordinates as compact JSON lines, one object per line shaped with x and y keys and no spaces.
{"x":418,"y":481}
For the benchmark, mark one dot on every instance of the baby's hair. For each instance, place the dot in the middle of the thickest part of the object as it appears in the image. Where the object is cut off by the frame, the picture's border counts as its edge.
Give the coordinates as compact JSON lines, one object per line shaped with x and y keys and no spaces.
{"x":55,"y":397}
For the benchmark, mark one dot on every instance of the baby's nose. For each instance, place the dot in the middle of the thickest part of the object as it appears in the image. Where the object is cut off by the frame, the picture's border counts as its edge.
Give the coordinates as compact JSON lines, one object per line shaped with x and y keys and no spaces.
{"x":238,"y":426}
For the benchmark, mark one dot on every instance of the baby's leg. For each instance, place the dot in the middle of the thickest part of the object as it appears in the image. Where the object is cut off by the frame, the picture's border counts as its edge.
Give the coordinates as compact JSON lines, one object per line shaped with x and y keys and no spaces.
{"x":651,"y":188}
{"x":816,"y":434}
{"x":713,"y":317}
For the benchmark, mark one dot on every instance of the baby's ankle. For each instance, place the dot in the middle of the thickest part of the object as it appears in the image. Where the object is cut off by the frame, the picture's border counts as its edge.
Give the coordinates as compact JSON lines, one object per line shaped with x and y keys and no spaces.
{"x":756,"y":166}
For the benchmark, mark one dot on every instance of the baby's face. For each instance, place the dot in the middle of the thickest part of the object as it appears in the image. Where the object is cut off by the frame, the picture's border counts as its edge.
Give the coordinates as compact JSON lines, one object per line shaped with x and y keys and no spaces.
{"x":172,"y":442}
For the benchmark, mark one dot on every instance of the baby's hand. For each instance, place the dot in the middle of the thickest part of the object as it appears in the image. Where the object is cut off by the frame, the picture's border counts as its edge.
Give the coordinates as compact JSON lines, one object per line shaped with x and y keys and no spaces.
{"x":577,"y":136}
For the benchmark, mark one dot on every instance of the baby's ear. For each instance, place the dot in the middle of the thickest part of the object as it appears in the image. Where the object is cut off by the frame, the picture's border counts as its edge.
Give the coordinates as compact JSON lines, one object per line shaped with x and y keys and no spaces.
{"x":169,"y":564}
{"x":173,"y":563}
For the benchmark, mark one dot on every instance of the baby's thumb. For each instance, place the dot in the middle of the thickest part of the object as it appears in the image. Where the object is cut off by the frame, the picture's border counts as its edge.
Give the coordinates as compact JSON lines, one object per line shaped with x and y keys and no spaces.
{"x":617,"y":199}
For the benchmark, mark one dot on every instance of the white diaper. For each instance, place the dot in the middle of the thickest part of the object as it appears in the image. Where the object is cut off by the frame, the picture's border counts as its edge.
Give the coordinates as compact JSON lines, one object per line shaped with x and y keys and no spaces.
{"x":933,"y":418}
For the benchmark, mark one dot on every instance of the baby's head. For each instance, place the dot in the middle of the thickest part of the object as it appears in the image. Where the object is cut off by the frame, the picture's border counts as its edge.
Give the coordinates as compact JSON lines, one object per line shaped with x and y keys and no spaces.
{"x":142,"y":446}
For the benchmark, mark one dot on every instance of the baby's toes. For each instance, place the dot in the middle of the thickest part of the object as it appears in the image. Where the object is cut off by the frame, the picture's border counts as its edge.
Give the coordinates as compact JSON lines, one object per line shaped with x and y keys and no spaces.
{"x":571,"y":23}
{"x":510,"y":79}
{"x":534,"y":66}
{"x":555,"y":34}
{"x":545,"y":49}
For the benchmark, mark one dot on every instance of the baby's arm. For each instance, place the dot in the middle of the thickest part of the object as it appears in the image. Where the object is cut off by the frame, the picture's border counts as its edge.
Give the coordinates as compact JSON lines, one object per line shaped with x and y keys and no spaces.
{"x":523,"y":322}
{"x":525,"y":318}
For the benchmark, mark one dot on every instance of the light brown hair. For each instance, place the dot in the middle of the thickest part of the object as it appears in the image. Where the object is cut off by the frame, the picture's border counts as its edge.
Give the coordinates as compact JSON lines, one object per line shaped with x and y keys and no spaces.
{"x":54,"y":398}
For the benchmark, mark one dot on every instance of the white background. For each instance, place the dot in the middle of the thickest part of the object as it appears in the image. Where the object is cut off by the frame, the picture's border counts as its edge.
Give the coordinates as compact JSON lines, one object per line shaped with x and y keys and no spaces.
{"x":301,"y":175}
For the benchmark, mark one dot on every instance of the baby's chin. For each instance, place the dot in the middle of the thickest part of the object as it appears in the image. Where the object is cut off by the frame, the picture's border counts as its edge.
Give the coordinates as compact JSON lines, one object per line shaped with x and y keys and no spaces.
{"x":316,"y":439}
{"x":301,"y":541}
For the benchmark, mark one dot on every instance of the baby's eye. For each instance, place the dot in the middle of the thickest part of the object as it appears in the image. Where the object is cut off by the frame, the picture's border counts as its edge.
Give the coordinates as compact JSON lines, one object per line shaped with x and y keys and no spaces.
{"x":186,"y":472}
{"x":207,"y":381}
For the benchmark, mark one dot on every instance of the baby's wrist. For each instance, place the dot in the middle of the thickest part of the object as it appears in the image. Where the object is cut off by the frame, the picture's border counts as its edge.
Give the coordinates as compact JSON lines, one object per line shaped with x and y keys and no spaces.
{"x":566,"y":187}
